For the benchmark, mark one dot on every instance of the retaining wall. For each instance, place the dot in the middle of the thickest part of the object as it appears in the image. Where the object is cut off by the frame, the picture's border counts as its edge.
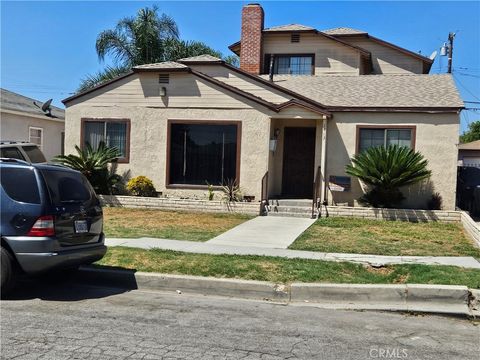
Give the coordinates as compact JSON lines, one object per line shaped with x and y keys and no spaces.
{"x":252,"y":208}
{"x":471,"y":227}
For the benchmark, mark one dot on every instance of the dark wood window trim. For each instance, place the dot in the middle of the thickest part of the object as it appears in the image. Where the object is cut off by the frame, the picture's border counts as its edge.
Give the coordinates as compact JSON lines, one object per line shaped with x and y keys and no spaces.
{"x":201,"y":122}
{"x":413,"y":128}
{"x":266,"y":69}
{"x":124,"y":160}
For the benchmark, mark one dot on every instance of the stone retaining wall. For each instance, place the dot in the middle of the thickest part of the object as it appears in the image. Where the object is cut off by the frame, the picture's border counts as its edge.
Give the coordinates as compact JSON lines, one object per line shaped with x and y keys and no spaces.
{"x":392,"y":214}
{"x":252,"y":208}
{"x":471,"y":227}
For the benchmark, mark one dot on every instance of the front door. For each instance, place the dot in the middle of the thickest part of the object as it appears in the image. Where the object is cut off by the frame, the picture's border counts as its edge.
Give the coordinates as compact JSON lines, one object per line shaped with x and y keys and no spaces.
{"x":298,"y":162}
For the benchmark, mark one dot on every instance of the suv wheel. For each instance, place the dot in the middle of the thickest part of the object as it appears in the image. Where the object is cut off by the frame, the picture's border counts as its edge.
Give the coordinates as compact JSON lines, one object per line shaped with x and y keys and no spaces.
{"x":7,"y":264}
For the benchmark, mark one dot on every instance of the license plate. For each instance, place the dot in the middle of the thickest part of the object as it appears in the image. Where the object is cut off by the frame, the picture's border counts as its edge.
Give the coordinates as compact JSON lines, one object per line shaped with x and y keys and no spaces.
{"x":81,"y":226}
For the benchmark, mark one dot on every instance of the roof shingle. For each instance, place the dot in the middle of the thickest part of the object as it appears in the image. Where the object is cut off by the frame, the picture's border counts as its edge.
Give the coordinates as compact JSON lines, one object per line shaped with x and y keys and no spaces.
{"x":343,"y":31}
{"x":290,"y":27}
{"x":16,"y":102}
{"x":394,"y":91}
{"x":161,"y":66}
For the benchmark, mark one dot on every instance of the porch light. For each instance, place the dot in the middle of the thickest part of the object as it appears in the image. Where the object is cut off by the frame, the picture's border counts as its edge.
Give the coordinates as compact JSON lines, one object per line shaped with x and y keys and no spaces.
{"x":163,"y":91}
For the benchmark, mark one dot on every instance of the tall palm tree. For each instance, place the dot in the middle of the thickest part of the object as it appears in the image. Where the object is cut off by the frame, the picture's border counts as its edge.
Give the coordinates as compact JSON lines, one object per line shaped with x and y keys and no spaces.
{"x":385,"y":170}
{"x":146,"y":38}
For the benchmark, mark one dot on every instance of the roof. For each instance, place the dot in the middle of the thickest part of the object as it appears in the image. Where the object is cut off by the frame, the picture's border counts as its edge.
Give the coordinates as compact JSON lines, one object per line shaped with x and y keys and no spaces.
{"x":16,"y":102}
{"x":200,"y":58}
{"x":290,"y":27}
{"x":343,"y":31}
{"x":395,"y":91}
{"x":167,"y":65}
{"x":474,"y":145}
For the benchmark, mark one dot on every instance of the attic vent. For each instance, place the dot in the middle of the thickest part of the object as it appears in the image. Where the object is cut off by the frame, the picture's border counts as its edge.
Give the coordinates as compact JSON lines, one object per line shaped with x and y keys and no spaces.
{"x":164,"y":78}
{"x":295,"y":38}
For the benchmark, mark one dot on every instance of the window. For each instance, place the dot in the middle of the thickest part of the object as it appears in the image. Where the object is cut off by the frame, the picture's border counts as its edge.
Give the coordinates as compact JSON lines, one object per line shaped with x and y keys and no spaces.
{"x":203,"y":153}
{"x":36,"y":136}
{"x":372,"y":137}
{"x":67,"y":187}
{"x":290,"y":64}
{"x":20,"y":184}
{"x":115,"y":133}
{"x":34,"y":154}
{"x":12,"y":153}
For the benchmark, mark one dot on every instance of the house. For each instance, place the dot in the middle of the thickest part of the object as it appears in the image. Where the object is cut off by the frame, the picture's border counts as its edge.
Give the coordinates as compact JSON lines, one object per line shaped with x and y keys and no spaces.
{"x":22,"y":119}
{"x":469,"y":154}
{"x":302,"y":103}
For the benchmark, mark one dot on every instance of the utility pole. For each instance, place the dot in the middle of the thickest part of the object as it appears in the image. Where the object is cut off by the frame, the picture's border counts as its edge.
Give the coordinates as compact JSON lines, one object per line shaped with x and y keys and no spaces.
{"x":451,"y":36}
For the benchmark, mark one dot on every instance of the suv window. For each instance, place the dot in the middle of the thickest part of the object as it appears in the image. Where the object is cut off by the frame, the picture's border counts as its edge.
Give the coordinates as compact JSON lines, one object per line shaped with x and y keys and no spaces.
{"x":67,"y":187}
{"x":11,"y":152}
{"x":20,"y":184}
{"x":35,"y":154}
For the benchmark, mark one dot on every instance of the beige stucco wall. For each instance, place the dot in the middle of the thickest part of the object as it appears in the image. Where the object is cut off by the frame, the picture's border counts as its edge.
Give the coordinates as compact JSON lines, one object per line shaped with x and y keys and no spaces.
{"x":331,"y":57}
{"x":436,"y":139}
{"x":16,"y":127}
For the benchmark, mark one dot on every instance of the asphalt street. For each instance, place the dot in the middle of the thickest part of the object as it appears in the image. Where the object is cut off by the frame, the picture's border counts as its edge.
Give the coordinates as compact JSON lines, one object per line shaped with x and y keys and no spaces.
{"x":53,"y":319}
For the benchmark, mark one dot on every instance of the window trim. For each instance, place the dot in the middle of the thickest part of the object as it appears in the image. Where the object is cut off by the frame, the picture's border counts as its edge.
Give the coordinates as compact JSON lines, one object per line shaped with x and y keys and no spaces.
{"x":170,"y":122}
{"x":267,"y":62}
{"x":124,"y":160}
{"x":412,"y":128}
{"x":41,"y":136}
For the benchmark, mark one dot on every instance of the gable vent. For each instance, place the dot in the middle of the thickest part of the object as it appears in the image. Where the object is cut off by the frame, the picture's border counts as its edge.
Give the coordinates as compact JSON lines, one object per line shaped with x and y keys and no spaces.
{"x":164,"y":78}
{"x":295,"y":38}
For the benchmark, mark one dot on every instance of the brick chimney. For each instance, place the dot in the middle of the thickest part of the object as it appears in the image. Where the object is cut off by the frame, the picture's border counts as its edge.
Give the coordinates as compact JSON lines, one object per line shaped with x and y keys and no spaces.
{"x":251,"y":46}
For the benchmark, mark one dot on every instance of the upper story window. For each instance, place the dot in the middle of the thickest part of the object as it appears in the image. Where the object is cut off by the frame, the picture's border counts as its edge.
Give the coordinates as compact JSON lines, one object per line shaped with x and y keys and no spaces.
{"x":291,"y":64}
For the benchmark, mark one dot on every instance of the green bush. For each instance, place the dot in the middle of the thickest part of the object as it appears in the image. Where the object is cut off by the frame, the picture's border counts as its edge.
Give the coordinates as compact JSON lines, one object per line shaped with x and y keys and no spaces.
{"x":141,"y":186}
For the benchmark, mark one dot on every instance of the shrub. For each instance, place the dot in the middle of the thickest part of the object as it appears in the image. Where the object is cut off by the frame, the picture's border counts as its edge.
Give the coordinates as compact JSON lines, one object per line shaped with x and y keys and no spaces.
{"x":385,"y":170}
{"x":231,"y":191}
{"x":141,"y":186}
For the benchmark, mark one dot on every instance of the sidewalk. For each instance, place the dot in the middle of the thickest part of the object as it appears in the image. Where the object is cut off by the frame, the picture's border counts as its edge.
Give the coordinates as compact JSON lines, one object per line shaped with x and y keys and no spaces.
{"x":216,"y":249}
{"x":265,"y":232}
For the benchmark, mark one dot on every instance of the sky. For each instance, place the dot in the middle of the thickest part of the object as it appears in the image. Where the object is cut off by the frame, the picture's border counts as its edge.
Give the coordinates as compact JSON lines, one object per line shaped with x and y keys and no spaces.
{"x":48,"y":47}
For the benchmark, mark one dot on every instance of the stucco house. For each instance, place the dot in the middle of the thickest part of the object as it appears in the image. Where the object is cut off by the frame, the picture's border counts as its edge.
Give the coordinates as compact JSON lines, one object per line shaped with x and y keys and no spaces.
{"x":469,"y":154}
{"x":22,"y":119}
{"x":302,"y":103}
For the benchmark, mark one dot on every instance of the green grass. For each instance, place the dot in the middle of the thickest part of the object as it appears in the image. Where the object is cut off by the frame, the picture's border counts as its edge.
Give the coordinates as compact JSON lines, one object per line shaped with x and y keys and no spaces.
{"x":284,"y":270}
{"x":178,"y":225}
{"x":362,"y":236}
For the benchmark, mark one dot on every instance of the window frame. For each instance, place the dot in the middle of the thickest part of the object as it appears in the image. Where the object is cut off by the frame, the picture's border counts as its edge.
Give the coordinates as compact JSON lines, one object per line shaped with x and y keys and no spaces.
{"x":41,"y":136}
{"x":170,"y":122}
{"x":412,"y":128}
{"x":122,"y":160}
{"x":267,"y":62}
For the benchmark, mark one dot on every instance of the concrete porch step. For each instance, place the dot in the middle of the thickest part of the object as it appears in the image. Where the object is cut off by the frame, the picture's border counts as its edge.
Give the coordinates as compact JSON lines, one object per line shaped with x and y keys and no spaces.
{"x":291,"y":214}
{"x":291,"y":202}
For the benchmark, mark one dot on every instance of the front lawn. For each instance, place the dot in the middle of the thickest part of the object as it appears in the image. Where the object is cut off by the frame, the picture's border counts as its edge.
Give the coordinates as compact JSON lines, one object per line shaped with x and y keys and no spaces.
{"x":362,"y":236}
{"x":178,"y":225}
{"x":282,"y":270}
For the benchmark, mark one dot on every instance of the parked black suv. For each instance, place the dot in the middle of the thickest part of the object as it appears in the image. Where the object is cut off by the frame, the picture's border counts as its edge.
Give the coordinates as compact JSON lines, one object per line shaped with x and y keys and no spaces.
{"x":50,"y":218}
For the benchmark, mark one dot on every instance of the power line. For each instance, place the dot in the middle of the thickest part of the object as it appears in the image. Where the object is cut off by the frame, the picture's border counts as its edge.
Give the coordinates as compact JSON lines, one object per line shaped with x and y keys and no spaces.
{"x":465,"y":88}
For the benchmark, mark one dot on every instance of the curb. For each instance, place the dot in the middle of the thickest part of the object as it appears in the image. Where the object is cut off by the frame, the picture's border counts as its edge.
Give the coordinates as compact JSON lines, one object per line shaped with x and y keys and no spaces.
{"x":419,"y":298}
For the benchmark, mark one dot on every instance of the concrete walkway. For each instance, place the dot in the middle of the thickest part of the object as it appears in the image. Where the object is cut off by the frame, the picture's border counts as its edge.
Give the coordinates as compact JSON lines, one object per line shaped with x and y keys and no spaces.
{"x":209,"y":248}
{"x":264,"y":232}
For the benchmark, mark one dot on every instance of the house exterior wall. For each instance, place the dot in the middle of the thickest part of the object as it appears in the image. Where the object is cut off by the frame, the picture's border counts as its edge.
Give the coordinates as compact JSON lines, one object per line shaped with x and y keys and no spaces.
{"x":16,"y":128}
{"x":330,"y":56}
{"x":436,"y":139}
{"x":386,"y":60}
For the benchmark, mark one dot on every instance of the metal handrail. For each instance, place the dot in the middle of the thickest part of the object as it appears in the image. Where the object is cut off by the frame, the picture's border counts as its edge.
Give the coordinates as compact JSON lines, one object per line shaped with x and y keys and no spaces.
{"x":316,"y":192}
{"x":264,"y":200}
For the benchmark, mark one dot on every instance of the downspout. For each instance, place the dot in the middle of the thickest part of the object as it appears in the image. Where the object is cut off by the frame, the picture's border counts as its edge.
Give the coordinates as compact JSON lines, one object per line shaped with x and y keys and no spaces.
{"x":270,"y":70}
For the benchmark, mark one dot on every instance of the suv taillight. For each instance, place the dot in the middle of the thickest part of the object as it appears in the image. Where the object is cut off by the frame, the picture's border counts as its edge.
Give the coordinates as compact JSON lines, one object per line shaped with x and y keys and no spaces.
{"x":44,"y":226}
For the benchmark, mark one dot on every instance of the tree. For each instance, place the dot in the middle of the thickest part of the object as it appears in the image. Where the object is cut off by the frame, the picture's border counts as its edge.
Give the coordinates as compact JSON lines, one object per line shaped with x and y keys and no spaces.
{"x":94,"y":165}
{"x":147,"y":38}
{"x":385,"y":170}
{"x":472,"y":134}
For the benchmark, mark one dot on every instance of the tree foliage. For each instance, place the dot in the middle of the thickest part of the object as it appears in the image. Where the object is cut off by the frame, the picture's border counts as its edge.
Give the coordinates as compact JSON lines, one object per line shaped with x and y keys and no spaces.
{"x":385,"y":170}
{"x":472,"y":134}
{"x":149,"y":37}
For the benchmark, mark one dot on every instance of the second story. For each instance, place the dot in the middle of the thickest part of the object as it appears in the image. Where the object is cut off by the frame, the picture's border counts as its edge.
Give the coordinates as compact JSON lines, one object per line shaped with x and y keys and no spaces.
{"x":302,"y":50}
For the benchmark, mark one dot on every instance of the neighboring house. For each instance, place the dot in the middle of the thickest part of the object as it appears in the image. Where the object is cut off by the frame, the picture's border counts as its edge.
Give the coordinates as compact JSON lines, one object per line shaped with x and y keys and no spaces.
{"x":333,"y":94}
{"x":469,"y":154}
{"x":22,"y":119}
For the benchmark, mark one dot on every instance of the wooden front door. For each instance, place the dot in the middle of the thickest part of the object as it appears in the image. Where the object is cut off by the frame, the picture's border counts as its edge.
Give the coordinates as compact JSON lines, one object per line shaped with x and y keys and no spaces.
{"x":298,"y":162}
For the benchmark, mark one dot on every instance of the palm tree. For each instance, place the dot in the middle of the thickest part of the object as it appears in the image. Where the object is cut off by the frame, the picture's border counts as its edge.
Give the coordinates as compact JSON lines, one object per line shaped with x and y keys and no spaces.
{"x":94,"y":165}
{"x":146,"y":38}
{"x":385,"y":170}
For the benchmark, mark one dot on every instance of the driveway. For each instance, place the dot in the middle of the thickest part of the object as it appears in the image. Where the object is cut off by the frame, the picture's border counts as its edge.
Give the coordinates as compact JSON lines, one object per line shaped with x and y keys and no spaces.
{"x":65,"y":321}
